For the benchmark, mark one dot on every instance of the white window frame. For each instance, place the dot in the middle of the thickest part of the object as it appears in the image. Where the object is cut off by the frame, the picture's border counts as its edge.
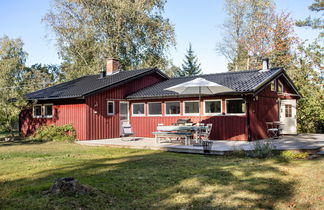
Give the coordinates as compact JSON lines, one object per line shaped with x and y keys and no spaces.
{"x":47,"y":116}
{"x":38,"y":116}
{"x":113,"y":113}
{"x":165,"y":109}
{"x":138,"y":115}
{"x":191,"y":114}
{"x":213,"y":114}
{"x":233,"y":99}
{"x":148,"y":109}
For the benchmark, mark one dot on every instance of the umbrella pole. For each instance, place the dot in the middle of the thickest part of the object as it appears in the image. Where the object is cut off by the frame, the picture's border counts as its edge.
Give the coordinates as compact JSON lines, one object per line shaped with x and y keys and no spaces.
{"x":199,"y":104}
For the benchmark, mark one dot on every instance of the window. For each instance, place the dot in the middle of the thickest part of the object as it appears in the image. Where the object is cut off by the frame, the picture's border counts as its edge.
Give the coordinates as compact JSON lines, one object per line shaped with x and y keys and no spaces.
{"x":172,"y":108}
{"x":288,"y":110}
{"x":138,"y":109}
{"x":155,"y":108}
{"x":191,"y":107}
{"x":110,"y":108}
{"x":280,"y":87}
{"x":213,"y":107}
{"x":37,"y":110}
{"x":48,"y":110}
{"x":273,"y":86}
{"x":235,"y":106}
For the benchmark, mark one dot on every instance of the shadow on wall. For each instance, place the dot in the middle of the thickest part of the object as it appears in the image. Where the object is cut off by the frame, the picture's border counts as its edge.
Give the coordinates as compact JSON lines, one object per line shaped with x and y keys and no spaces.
{"x":160,"y":180}
{"x":227,"y":127}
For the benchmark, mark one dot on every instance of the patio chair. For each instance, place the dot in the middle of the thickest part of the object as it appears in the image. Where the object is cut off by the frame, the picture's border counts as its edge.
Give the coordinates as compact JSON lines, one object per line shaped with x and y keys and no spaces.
{"x":272,"y":131}
{"x":206,"y":132}
{"x":127,"y":131}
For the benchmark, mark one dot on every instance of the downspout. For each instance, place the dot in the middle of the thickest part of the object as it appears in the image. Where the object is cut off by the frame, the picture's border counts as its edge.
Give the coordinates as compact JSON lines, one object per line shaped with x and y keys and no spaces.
{"x":248,"y":118}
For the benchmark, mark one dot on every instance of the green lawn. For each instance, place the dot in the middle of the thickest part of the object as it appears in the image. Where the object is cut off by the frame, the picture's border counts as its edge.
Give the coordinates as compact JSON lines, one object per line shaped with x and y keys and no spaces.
{"x":143,"y":179}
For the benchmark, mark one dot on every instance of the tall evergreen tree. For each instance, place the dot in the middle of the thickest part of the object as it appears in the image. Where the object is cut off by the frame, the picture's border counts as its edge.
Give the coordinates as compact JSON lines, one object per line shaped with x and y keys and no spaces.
{"x":190,"y":66}
{"x":314,"y":23}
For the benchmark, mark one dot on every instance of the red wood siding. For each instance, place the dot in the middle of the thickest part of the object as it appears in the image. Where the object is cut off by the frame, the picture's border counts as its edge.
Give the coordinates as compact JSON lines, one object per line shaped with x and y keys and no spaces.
{"x":62,"y":114}
{"x":265,"y":108}
{"x":229,"y":127}
{"x":99,"y":124}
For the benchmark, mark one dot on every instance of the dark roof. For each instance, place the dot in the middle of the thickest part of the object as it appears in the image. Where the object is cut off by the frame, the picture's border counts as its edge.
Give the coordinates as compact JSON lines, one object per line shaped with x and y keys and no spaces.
{"x":239,"y":81}
{"x":89,"y":84}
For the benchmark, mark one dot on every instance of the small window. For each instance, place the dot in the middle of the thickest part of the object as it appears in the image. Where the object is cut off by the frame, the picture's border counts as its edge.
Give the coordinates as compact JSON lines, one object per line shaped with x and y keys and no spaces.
{"x":155,"y":108}
{"x":110,"y":108}
{"x":235,"y":106}
{"x":37,"y":110}
{"x":280,"y":87}
{"x":138,"y":109}
{"x":191,"y":107}
{"x":288,"y":110}
{"x":273,"y":86}
{"x":48,"y":110}
{"x":213,"y":107}
{"x":172,"y":108}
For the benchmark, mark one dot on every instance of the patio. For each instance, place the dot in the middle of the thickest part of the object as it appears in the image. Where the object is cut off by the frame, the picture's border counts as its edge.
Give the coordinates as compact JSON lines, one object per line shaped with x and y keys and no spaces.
{"x":311,"y":142}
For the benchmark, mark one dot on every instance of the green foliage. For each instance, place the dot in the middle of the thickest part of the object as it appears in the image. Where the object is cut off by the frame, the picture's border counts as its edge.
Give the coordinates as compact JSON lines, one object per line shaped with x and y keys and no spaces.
{"x":190,"y":67}
{"x":261,"y":149}
{"x":314,"y":23}
{"x":88,"y":32}
{"x":55,"y":133}
{"x":12,"y":64}
{"x":291,"y":155}
{"x":307,"y":74}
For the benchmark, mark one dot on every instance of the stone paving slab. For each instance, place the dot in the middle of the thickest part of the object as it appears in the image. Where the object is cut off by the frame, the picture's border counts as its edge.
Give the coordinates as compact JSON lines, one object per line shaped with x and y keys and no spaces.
{"x":220,"y":147}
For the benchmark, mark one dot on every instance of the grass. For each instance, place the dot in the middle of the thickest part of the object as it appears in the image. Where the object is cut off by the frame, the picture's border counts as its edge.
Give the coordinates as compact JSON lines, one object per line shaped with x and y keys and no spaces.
{"x":144,"y":179}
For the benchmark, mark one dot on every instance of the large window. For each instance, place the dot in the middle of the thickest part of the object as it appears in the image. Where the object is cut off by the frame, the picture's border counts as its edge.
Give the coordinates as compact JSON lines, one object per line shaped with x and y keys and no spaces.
{"x":235,"y":106}
{"x":138,"y":109}
{"x":213,"y":107}
{"x":191,"y":108}
{"x":172,"y":108}
{"x":37,"y":110}
{"x":48,"y":110}
{"x":110,"y":108}
{"x":155,"y":108}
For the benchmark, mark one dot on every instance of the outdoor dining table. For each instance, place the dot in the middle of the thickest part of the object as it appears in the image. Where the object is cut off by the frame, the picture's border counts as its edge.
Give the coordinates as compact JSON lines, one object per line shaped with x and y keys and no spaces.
{"x":180,"y":128}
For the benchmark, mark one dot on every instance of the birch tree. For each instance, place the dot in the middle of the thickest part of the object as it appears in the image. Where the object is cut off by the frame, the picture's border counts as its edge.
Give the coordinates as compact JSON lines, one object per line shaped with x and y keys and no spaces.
{"x":89,"y":31}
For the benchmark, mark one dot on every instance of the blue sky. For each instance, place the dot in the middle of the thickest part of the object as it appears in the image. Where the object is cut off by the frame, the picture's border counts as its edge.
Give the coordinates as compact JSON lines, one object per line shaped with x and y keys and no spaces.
{"x":198,"y":22}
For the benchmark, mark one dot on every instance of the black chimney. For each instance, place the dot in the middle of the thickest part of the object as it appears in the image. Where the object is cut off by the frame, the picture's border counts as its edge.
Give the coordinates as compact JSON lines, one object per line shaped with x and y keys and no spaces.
{"x":103,"y":73}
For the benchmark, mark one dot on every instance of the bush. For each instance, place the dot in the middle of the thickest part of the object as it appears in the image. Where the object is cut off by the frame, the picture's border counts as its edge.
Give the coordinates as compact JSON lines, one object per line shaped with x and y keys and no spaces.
{"x":291,"y":155}
{"x":55,"y":133}
{"x":261,"y":149}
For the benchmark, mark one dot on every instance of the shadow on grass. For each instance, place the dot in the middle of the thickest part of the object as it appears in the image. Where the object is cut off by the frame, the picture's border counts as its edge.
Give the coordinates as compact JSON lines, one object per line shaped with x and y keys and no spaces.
{"x":158,"y":180}
{"x":20,"y":141}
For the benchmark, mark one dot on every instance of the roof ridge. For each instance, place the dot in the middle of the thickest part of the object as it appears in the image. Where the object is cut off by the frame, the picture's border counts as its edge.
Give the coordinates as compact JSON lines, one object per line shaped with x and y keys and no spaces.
{"x":222,"y":73}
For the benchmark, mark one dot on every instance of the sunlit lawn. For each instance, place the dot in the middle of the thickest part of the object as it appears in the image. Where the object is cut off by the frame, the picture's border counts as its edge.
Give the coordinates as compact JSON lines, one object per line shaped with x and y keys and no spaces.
{"x":143,"y":179}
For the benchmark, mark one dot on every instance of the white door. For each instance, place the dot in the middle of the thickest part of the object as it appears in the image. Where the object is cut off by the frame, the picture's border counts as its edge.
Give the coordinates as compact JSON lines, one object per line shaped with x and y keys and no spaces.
{"x":123,"y":113}
{"x":288,"y":116}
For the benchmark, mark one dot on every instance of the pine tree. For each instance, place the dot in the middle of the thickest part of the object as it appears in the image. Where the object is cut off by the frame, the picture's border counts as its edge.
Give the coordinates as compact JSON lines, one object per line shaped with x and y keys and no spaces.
{"x":190,"y":66}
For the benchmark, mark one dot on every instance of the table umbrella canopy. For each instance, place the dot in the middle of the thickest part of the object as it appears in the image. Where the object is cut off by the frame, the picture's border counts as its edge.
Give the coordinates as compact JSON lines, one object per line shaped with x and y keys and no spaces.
{"x":199,"y":86}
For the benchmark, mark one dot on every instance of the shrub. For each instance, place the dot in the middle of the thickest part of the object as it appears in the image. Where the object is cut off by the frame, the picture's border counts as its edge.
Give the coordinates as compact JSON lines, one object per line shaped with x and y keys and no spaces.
{"x":292,"y":155}
{"x":55,"y":133}
{"x":261,"y":149}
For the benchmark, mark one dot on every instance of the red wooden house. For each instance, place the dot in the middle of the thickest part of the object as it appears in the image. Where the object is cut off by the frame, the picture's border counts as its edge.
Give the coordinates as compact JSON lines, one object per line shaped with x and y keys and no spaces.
{"x":97,"y":105}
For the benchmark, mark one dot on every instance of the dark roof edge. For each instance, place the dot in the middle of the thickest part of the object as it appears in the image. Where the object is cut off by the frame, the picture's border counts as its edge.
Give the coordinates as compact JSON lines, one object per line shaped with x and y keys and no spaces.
{"x":262,"y":85}
{"x":153,"y":70}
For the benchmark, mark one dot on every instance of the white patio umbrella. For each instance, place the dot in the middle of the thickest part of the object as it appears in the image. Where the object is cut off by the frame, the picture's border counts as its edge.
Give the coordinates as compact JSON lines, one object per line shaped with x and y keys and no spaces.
{"x":199,"y":86}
